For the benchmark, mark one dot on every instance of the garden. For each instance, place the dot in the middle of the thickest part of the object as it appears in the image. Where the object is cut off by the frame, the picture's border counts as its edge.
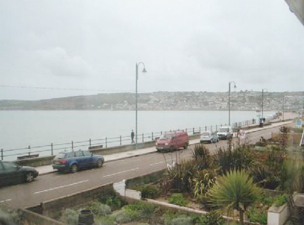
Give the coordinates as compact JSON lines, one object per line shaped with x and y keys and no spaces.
{"x":241,"y":182}
{"x":233,"y":186}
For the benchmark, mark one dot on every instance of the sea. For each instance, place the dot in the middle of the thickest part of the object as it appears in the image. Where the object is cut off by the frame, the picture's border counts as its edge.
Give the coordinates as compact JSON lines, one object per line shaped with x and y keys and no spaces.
{"x":27,"y":129}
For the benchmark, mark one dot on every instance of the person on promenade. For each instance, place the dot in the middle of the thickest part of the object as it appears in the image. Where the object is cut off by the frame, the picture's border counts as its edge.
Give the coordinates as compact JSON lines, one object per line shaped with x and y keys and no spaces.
{"x":132,"y":137}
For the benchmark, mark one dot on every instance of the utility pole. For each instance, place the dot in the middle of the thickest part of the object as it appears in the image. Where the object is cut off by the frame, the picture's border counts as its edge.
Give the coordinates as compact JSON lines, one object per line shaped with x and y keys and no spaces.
{"x":262,"y":102}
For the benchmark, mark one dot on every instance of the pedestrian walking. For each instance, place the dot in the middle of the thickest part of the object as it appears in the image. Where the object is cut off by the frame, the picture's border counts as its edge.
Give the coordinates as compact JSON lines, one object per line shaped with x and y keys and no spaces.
{"x":132,"y":137}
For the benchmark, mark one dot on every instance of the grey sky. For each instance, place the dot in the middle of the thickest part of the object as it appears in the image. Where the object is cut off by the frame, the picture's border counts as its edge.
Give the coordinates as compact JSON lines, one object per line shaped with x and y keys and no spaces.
{"x":186,"y":45}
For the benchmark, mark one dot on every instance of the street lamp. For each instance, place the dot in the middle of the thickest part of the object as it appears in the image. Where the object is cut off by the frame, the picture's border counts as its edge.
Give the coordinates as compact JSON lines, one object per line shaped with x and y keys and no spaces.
{"x":229,"y":97}
{"x":283,"y":106}
{"x":136,"y":78}
{"x":263,"y":101}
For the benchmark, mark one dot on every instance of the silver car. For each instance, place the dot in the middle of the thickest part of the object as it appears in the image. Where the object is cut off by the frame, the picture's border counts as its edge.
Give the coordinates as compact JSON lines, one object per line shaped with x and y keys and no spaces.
{"x":209,"y":136}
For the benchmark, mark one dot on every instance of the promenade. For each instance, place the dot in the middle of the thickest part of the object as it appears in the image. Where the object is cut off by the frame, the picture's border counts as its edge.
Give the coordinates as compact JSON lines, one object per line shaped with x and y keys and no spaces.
{"x":117,"y":156}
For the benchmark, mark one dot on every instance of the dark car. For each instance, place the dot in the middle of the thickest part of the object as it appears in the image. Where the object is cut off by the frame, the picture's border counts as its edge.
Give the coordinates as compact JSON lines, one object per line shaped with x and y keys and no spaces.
{"x":75,"y":160}
{"x":11,"y":173}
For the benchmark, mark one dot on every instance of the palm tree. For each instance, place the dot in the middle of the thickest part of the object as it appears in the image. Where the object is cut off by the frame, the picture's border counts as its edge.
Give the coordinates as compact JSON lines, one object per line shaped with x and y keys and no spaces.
{"x":235,"y":190}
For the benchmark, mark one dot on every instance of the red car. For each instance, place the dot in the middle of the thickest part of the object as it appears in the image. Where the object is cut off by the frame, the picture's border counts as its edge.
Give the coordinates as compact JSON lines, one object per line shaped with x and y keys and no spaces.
{"x":172,"y":141}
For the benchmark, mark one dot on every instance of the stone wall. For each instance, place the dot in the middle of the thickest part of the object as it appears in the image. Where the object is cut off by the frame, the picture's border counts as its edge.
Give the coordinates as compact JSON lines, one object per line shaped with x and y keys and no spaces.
{"x":53,"y":208}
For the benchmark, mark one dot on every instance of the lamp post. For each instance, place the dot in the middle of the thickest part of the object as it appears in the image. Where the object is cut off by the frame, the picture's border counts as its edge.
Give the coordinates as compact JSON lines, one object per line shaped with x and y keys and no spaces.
{"x":283,"y":106}
{"x":136,"y":79}
{"x":263,"y":101}
{"x":229,"y":97}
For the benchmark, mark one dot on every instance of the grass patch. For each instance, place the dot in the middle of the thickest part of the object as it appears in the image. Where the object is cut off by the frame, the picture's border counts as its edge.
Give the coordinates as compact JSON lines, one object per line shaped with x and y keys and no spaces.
{"x":178,"y":199}
{"x":280,"y":200}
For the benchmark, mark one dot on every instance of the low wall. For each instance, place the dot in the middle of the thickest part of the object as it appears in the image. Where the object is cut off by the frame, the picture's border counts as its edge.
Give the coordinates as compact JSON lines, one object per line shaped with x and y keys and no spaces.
{"x":37,"y":219}
{"x":39,"y":161}
{"x":149,"y":178}
{"x":53,"y":208}
{"x":47,"y":160}
{"x":122,"y":148}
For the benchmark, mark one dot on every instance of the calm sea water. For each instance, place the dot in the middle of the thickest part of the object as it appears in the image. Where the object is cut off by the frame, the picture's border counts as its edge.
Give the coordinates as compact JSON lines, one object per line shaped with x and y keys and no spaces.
{"x":20,"y":129}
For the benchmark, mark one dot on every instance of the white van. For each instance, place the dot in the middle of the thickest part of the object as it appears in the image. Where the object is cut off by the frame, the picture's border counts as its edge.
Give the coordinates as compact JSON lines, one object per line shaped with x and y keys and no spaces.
{"x":225,"y":132}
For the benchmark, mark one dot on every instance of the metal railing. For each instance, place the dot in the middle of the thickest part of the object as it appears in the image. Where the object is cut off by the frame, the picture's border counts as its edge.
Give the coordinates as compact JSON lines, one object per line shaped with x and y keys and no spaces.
{"x":55,"y":148}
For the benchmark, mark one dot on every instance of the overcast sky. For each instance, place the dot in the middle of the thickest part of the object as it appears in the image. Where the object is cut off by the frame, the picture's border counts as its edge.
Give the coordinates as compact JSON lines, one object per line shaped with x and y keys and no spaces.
{"x":186,"y":45}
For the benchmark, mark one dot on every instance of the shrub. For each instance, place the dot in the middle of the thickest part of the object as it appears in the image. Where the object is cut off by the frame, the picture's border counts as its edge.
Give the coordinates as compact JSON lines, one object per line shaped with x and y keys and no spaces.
{"x":257,"y":216}
{"x":134,"y":212}
{"x":178,"y":199}
{"x":105,"y":220}
{"x":280,"y":200}
{"x":100,"y":209}
{"x":203,"y":180}
{"x":265,"y":200}
{"x":234,"y":191}
{"x":241,"y":158}
{"x":182,"y":220}
{"x":70,"y":216}
{"x":113,"y":201}
{"x":212,"y":218}
{"x":167,"y":217}
{"x":170,"y":218}
{"x":150,"y":191}
{"x":125,"y":216}
{"x":202,"y":157}
{"x":179,"y":177}
{"x":9,"y":216}
{"x":144,"y":209}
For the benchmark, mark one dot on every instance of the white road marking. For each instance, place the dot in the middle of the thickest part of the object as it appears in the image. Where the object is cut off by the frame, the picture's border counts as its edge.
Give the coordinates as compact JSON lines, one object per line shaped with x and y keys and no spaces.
{"x":113,"y":174}
{"x":63,"y":186}
{"x":152,"y":164}
{"x":6,"y":200}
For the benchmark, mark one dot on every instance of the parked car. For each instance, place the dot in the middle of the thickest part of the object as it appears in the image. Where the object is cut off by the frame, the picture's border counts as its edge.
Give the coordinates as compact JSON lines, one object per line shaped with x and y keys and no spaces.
{"x":172,"y":141}
{"x":73,"y":161}
{"x":11,"y":173}
{"x":209,"y":136}
{"x":225,"y":132}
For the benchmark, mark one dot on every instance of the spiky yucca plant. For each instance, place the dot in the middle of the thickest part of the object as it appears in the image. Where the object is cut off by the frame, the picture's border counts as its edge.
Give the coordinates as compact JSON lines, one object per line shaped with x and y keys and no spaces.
{"x":235,"y":190}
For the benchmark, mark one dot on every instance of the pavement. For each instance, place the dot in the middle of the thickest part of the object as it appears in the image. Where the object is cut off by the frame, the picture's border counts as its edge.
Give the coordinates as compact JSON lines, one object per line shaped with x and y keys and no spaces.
{"x":49,"y":169}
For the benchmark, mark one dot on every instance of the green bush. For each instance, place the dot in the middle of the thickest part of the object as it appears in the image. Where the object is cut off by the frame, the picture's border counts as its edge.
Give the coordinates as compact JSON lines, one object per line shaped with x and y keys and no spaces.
{"x":125,"y":216}
{"x":182,"y":220}
{"x":105,"y":220}
{"x":241,"y":158}
{"x":150,"y":191}
{"x":9,"y":216}
{"x":266,"y":200}
{"x":167,"y":217}
{"x":202,"y":157}
{"x":132,"y":212}
{"x":100,"y":209}
{"x":113,"y":201}
{"x":144,"y":209}
{"x":178,"y":199}
{"x":212,"y":218}
{"x":178,"y":178}
{"x":280,"y":200}
{"x":257,"y":216}
{"x":70,"y":216}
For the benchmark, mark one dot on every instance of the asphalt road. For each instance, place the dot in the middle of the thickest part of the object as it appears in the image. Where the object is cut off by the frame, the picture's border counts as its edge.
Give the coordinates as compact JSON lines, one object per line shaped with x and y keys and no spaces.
{"x":56,"y":185}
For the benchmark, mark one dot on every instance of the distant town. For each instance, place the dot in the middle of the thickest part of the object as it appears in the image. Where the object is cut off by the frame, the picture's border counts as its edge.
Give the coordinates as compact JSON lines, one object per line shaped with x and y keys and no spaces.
{"x":242,"y":100}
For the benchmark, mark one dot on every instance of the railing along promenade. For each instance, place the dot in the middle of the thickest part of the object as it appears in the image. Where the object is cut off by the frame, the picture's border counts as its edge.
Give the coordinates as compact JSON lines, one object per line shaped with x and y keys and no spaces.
{"x":53,"y":149}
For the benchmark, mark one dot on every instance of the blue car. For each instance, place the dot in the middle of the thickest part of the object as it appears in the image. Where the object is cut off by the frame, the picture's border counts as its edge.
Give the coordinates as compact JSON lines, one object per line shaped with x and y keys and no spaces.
{"x":75,"y":160}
